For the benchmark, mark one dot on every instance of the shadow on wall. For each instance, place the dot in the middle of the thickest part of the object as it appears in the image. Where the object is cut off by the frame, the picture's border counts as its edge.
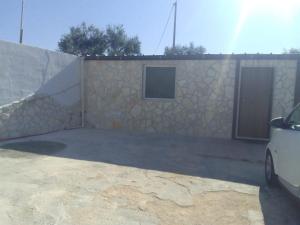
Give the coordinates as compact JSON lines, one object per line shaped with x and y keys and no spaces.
{"x":54,"y":106}
{"x":209,"y":158}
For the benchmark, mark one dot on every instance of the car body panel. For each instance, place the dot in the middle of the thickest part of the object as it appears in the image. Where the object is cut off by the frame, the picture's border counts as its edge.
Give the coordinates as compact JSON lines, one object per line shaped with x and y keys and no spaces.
{"x":292,"y":189}
{"x":289,"y":157}
{"x":284,"y":147}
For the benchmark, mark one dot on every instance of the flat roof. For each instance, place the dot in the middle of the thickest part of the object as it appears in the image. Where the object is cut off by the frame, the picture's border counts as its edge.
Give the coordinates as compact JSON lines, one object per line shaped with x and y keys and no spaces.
{"x":200,"y":57}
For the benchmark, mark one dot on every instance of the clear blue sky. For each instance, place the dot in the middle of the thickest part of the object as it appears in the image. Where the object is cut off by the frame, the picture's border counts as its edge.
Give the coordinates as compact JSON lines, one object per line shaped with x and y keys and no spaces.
{"x":222,"y":26}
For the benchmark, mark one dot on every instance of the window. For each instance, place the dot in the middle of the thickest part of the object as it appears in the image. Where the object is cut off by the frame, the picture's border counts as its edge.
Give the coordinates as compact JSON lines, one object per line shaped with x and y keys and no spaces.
{"x":159,"y":82}
{"x":294,"y":119}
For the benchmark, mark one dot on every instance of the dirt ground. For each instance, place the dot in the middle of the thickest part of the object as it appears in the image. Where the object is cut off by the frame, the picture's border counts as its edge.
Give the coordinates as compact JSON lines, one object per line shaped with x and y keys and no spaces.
{"x":86,"y":176}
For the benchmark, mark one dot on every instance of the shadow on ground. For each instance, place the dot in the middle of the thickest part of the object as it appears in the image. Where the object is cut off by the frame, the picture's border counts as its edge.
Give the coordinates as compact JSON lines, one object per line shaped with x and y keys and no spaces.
{"x":233,"y":161}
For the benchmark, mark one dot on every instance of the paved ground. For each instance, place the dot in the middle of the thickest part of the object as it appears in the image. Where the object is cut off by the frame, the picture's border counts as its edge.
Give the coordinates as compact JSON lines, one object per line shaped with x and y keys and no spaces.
{"x":104,"y":177}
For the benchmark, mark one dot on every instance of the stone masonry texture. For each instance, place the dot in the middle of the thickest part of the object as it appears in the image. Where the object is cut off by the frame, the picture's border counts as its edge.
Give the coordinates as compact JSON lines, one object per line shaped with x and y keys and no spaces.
{"x":203,"y":104}
{"x":284,"y":83}
{"x":40,"y":92}
{"x":36,"y":115}
{"x":204,"y":96}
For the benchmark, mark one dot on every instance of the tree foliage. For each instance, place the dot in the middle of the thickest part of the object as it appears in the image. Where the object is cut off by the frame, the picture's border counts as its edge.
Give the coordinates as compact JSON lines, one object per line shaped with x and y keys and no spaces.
{"x":185,"y":50}
{"x":292,"y":51}
{"x":120,"y":44}
{"x":89,"y":40}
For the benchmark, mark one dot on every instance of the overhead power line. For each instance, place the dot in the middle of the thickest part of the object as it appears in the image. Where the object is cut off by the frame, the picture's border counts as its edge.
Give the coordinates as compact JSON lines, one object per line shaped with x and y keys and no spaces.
{"x":165,"y":28}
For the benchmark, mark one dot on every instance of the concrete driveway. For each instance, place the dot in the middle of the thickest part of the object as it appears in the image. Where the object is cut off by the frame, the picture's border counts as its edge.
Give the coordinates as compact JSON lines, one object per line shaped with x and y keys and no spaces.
{"x":88,"y":177}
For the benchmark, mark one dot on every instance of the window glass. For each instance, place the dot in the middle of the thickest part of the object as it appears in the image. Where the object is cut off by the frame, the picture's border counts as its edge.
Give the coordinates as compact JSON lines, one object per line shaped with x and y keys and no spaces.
{"x":160,"y":82}
{"x":294,"y":119}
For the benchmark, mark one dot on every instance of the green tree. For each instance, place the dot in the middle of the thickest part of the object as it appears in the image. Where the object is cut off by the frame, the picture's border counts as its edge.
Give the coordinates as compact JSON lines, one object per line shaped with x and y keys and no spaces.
{"x":83,"y":40}
{"x":292,"y":51}
{"x":88,"y":40}
{"x":118,"y":43}
{"x":185,"y":50}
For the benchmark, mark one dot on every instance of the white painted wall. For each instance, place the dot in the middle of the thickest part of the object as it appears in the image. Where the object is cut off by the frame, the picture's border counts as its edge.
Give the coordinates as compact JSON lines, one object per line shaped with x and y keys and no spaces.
{"x":25,"y":71}
{"x":40,"y":90}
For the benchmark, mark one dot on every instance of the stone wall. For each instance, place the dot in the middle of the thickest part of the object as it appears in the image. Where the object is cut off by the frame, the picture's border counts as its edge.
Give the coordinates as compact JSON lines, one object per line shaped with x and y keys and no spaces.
{"x":204,"y":91}
{"x":203,"y":104}
{"x":39,"y":91}
{"x":284,"y":83}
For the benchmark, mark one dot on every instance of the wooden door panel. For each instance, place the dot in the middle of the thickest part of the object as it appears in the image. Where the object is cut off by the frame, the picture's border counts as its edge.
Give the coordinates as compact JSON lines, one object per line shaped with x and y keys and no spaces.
{"x":255,"y":103}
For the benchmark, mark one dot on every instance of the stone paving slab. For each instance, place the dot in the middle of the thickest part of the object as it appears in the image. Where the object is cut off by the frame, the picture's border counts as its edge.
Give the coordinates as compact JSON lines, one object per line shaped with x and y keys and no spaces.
{"x":117,"y":178}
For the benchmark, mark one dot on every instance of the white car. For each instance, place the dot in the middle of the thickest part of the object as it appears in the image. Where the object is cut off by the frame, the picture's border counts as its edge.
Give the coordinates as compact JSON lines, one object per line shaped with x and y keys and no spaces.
{"x":283,"y":152}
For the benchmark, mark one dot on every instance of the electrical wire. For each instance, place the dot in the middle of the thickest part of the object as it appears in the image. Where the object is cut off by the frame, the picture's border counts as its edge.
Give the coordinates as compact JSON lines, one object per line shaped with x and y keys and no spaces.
{"x":165,"y":29}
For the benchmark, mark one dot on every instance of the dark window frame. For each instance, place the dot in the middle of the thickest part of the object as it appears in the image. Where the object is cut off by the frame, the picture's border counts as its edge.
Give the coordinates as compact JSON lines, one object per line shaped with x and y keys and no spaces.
{"x":144,"y":82}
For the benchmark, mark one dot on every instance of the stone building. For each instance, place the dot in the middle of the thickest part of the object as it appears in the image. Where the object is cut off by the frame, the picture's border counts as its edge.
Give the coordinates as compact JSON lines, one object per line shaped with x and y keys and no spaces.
{"x":224,"y":96}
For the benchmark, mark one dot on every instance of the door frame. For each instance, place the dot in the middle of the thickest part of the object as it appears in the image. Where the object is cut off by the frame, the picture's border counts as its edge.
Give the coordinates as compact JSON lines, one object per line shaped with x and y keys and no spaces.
{"x":237,"y":102}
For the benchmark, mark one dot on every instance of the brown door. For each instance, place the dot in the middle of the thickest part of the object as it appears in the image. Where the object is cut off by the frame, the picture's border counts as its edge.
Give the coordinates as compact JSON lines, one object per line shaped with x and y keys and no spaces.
{"x":255,"y":102}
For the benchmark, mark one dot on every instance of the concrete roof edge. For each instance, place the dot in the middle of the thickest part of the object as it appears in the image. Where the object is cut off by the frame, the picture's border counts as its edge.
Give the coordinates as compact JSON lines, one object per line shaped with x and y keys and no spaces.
{"x":35,"y":48}
{"x":200,"y":57}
